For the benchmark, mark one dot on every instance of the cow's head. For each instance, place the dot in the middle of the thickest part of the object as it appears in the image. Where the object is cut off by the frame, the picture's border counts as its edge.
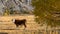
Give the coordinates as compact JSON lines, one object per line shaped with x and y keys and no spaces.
{"x":13,"y":20}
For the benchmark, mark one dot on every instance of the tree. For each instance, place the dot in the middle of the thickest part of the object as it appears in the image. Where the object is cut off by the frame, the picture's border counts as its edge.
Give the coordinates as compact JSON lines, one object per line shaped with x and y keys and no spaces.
{"x":7,"y":12}
{"x":45,"y":12}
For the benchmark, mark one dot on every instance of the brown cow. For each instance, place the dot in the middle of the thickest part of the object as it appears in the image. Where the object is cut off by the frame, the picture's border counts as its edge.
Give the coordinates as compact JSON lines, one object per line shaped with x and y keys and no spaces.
{"x":18,"y":22}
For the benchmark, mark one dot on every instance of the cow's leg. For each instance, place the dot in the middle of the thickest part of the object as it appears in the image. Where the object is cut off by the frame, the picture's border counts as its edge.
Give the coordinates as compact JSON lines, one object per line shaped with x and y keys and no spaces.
{"x":17,"y":25}
{"x":24,"y":25}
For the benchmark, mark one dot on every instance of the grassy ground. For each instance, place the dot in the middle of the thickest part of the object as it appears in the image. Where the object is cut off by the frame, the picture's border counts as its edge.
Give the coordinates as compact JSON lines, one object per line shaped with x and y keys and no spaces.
{"x":6,"y":24}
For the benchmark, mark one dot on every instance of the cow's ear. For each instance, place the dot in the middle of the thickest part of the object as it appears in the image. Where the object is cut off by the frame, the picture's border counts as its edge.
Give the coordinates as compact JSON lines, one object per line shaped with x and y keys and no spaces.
{"x":11,"y":19}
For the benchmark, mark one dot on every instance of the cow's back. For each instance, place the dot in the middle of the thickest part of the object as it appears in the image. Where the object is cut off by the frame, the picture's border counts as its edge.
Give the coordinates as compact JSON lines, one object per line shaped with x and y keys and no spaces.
{"x":20,"y":22}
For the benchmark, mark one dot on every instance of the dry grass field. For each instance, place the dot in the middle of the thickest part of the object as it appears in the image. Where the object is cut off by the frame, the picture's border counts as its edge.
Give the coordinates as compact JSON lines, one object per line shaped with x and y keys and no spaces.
{"x":7,"y":26}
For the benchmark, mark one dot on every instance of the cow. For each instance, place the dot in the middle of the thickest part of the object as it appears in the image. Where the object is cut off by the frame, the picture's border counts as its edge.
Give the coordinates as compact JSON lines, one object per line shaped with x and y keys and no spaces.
{"x":18,"y":22}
